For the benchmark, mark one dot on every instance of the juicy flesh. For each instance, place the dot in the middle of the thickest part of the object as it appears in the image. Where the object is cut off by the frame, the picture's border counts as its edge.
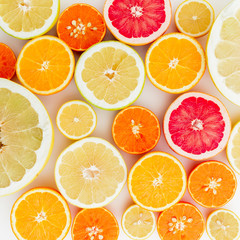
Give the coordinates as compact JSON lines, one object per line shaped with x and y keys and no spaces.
{"x":197,"y":125}
{"x":20,"y":137}
{"x":111,"y":74}
{"x":25,"y":15}
{"x":138,"y":18}
{"x":235,"y":151}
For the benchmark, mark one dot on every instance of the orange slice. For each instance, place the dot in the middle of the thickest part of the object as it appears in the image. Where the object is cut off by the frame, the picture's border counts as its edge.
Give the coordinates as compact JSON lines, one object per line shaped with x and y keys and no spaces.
{"x":41,"y":213}
{"x":157,"y":181}
{"x":95,"y":224}
{"x":181,"y":221}
{"x":175,"y":63}
{"x":81,"y":26}
{"x":212,"y":184}
{"x":45,"y":65}
{"x":136,"y":130}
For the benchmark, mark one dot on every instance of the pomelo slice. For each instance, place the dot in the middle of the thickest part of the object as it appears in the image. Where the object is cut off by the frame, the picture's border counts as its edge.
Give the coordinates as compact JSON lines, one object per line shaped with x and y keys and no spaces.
{"x":197,"y":126}
{"x":26,"y":137}
{"x":27,"y":19}
{"x":137,"y":22}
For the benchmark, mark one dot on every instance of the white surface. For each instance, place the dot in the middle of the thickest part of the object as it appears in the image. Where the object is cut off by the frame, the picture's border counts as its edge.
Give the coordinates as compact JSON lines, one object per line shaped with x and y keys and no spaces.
{"x":151,"y":97}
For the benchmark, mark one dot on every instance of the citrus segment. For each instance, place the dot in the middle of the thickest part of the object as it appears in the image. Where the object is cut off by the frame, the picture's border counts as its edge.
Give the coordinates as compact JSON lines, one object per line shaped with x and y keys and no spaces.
{"x":197,"y":126}
{"x":110,"y":75}
{"x":81,"y":26}
{"x":90,"y":173}
{"x":136,"y":130}
{"x":95,"y":224}
{"x":212,"y":184}
{"x":181,"y":221}
{"x":26,"y":137}
{"x":41,"y":213}
{"x":138,"y":223}
{"x":175,"y":63}
{"x":45,"y":65}
{"x":157,"y":181}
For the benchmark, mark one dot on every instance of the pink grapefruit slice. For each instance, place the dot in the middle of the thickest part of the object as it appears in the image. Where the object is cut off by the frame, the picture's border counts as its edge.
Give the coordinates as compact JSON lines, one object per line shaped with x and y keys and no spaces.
{"x":197,"y":126}
{"x":137,"y":22}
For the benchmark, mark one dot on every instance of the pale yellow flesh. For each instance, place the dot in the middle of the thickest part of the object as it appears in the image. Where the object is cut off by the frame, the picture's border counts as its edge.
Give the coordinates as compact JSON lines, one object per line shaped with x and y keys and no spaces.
{"x":235,"y":151}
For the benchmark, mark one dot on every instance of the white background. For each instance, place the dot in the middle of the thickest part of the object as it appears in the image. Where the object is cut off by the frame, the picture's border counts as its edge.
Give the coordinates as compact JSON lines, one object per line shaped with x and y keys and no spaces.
{"x":151,"y":97}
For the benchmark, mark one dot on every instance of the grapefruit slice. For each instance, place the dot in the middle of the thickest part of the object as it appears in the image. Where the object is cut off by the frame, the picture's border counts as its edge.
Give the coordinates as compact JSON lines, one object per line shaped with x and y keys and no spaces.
{"x":137,"y":22}
{"x":197,"y":126}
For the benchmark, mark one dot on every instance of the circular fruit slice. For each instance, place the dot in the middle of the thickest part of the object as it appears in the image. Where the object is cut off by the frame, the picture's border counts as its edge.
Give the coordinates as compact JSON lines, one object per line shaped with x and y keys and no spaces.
{"x":181,"y":221}
{"x":138,"y":223}
{"x":45,"y":65}
{"x":138,"y":22}
{"x":7,"y":62}
{"x":194,"y":17}
{"x":175,"y":63}
{"x":157,"y":181}
{"x":95,"y":224}
{"x":223,"y":52}
{"x":197,"y":126}
{"x":27,"y":19}
{"x":223,"y":224}
{"x":76,"y":119}
{"x":26,"y":137}
{"x":90,"y":173}
{"x":110,"y":75}
{"x":41,"y":213}
{"x":212,"y":184}
{"x":81,"y":26}
{"x":136,"y":130}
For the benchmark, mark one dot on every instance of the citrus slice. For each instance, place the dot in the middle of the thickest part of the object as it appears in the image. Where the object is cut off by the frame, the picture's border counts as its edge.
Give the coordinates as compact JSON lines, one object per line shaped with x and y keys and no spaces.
{"x":223,"y":224}
{"x":27,"y":19}
{"x":175,"y":63}
{"x":138,"y":223}
{"x":181,"y":221}
{"x":157,"y":181}
{"x":76,"y":119}
{"x":110,"y":75}
{"x":197,"y":126}
{"x":81,"y":26}
{"x":95,"y":224}
{"x":212,"y":184}
{"x":90,"y":173}
{"x":223,"y":52}
{"x":7,"y":62}
{"x":136,"y":130}
{"x":137,"y":22}
{"x":26,"y":137}
{"x":41,"y":213}
{"x":45,"y":65}
{"x":194,"y":17}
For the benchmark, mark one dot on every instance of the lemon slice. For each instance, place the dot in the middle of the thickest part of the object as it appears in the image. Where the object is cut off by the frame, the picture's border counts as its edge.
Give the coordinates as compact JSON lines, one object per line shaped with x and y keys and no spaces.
{"x":26,"y":137}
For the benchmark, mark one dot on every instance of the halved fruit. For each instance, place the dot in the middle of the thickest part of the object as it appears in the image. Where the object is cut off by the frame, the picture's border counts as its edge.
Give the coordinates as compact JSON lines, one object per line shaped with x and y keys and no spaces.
{"x":212,"y":184}
{"x":110,"y":75}
{"x":41,"y":213}
{"x":137,"y":22}
{"x":157,"y":181}
{"x":26,"y":137}
{"x":181,"y":221}
{"x":90,"y":173}
{"x":95,"y":224}
{"x":197,"y":126}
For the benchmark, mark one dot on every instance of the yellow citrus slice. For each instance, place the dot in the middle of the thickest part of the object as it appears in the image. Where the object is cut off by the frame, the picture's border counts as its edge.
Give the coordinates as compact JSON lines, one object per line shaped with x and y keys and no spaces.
{"x":138,"y":223}
{"x":157,"y":181}
{"x":76,"y":119}
{"x":90,"y":173}
{"x":223,"y":224}
{"x":41,"y":213}
{"x":26,"y":136}
{"x":194,"y":17}
{"x":45,"y":65}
